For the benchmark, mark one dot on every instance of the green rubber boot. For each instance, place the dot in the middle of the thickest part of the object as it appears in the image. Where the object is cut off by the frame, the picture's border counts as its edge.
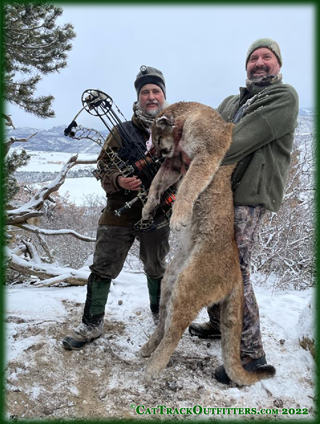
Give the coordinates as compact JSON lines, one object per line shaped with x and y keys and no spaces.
{"x":154,"y":287}
{"x":92,"y":320}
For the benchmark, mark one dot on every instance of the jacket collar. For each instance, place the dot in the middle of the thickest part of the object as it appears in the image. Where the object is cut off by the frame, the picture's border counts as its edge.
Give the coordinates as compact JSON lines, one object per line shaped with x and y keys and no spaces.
{"x":253,"y":89}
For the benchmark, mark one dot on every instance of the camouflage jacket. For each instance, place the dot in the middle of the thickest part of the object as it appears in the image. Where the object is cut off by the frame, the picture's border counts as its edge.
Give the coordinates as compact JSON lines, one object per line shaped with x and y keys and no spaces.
{"x":117,"y":196}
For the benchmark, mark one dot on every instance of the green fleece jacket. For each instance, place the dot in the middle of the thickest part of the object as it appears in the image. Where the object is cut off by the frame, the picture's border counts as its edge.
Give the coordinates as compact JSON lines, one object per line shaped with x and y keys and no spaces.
{"x":261,"y":143}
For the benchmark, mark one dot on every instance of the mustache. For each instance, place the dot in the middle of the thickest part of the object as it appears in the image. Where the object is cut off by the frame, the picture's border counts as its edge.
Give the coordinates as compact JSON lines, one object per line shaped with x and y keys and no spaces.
{"x":155,"y":102}
{"x":259,"y":68}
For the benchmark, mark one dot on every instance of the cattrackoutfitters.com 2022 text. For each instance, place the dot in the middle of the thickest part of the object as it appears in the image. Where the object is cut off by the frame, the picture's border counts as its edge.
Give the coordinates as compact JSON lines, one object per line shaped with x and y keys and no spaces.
{"x":199,"y":410}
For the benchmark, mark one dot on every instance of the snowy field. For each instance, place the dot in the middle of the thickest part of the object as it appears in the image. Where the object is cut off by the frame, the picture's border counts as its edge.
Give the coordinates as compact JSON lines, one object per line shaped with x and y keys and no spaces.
{"x":105,"y":380}
{"x":51,"y":161}
{"x":106,"y":377}
{"x":79,"y":188}
{"x":76,"y":188}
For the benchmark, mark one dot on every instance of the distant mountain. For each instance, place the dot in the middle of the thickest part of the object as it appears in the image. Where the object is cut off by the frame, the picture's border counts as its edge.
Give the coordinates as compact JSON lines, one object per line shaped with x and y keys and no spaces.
{"x":53,"y":140}
{"x":307,"y":111}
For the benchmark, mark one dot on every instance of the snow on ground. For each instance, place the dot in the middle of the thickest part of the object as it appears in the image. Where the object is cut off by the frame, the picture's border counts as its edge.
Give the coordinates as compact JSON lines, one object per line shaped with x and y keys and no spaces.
{"x":105,"y":379}
{"x":52,"y":161}
{"x":79,"y":188}
{"x":76,"y":188}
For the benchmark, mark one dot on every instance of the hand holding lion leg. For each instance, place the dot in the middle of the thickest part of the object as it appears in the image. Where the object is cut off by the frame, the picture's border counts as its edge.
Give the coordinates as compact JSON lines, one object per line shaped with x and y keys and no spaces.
{"x":164,"y":179}
{"x":149,"y":207}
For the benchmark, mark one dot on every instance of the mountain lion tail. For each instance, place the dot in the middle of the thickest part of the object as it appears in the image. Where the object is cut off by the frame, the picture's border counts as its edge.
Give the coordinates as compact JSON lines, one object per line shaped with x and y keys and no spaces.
{"x":231,"y":330}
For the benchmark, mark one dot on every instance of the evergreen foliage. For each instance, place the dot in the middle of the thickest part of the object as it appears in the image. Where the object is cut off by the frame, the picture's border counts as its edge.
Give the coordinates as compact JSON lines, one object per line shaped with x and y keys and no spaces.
{"x":12,"y":163}
{"x":33,"y":46}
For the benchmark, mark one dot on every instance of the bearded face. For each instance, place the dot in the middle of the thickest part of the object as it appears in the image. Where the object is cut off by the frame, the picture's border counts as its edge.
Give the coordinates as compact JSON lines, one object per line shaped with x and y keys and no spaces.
{"x":262,"y":62}
{"x":151,"y":99}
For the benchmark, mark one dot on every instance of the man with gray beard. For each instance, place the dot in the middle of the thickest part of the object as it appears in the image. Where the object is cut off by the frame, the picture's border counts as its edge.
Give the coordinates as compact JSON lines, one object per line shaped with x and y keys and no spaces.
{"x":265,"y":117}
{"x":116,"y":234}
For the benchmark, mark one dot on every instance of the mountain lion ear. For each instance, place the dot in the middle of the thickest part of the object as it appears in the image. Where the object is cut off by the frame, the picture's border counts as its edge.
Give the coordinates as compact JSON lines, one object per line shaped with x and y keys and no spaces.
{"x":164,"y":123}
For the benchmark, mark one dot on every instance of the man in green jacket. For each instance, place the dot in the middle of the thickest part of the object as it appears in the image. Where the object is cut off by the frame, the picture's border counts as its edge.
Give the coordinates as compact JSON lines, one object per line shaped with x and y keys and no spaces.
{"x":116,"y":234}
{"x":265,"y":117}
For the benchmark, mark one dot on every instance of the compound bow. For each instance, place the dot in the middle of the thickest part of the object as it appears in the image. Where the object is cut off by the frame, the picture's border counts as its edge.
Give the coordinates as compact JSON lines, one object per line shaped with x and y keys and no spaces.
{"x":98,"y":103}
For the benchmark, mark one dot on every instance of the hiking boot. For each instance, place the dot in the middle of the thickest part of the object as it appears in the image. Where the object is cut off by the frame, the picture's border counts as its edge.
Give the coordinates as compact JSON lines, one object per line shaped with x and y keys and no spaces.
{"x":249,"y":364}
{"x":204,"y":331}
{"x":82,"y":335}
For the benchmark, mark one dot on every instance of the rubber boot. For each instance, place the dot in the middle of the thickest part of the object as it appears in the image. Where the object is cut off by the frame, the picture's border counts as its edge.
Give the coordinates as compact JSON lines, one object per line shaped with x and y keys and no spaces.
{"x":154,"y":287}
{"x":92,"y":319}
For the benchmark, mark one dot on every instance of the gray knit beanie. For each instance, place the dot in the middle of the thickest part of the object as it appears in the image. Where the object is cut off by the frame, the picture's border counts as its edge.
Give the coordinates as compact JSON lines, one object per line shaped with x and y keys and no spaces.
{"x":265,"y":42}
{"x":149,"y":75}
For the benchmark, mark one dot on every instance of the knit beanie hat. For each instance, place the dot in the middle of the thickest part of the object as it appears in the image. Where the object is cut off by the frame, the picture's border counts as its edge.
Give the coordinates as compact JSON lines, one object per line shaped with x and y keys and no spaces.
{"x":149,"y":75}
{"x":265,"y":42}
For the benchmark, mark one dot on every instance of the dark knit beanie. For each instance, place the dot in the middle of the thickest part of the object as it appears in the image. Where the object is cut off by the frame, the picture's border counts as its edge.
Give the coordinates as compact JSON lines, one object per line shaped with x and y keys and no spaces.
{"x":269,"y":44}
{"x":149,"y":75}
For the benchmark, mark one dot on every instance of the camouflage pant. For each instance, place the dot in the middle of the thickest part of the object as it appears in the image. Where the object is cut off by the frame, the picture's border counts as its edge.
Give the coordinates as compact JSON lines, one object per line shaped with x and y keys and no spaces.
{"x":246,"y":225}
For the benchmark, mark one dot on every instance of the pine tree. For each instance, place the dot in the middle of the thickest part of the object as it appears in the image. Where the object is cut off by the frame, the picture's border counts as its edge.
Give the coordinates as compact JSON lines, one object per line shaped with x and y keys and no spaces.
{"x":12,"y":163}
{"x":33,"y":46}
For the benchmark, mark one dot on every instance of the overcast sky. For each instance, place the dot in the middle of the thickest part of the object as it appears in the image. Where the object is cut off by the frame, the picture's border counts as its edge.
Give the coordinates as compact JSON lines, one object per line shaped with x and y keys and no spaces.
{"x":201,"y":51}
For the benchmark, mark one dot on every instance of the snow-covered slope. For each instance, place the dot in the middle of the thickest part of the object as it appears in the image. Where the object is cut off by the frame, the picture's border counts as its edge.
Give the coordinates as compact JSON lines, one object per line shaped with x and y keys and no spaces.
{"x":53,"y":140}
{"x":105,"y":379}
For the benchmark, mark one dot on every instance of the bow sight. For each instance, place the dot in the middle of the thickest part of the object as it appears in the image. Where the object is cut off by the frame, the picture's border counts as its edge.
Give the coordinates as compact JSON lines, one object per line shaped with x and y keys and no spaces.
{"x":130,"y":158}
{"x":95,"y":102}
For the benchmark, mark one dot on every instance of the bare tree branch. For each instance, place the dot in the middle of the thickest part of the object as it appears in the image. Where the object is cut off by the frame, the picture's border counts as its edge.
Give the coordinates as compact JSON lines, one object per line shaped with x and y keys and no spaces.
{"x":20,"y":215}
{"x":286,"y":239}
{"x":86,"y":161}
{"x":44,"y":245}
{"x":9,"y":143}
{"x":49,"y":273}
{"x":63,"y":278}
{"x":32,"y":251}
{"x":36,"y":230}
{"x":23,"y":217}
{"x":9,"y":122}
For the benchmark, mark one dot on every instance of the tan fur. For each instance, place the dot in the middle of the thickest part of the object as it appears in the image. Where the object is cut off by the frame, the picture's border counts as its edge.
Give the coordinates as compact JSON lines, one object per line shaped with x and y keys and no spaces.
{"x":206,"y":268}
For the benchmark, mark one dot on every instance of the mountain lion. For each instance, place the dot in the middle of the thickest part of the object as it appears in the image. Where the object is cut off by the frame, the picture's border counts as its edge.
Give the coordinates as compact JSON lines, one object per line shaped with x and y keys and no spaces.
{"x":205,"y":269}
